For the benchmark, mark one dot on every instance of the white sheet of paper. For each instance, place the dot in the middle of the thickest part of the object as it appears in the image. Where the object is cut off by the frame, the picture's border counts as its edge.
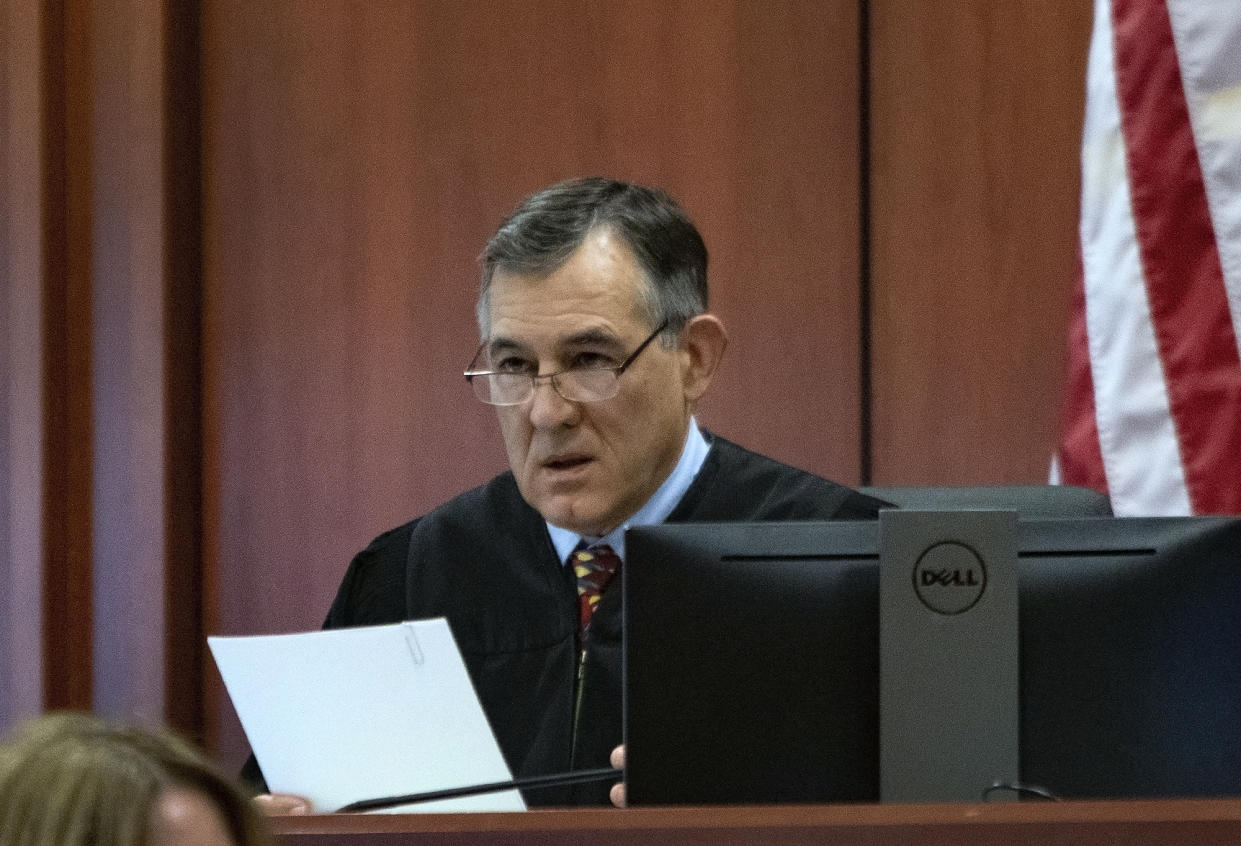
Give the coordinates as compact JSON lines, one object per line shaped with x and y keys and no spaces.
{"x":349,"y":714}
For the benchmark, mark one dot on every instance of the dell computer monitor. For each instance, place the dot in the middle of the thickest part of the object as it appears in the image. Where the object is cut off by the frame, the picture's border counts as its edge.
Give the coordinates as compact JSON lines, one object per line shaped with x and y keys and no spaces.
{"x":751,"y":660}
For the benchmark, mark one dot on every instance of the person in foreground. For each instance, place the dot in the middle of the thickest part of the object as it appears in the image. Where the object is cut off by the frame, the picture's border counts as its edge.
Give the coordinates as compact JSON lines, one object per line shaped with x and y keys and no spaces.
{"x":75,"y":780}
{"x":596,"y":348}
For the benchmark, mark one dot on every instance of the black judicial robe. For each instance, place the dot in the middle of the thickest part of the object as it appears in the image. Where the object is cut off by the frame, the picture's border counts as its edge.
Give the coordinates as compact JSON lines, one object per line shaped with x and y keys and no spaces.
{"x":484,"y":560}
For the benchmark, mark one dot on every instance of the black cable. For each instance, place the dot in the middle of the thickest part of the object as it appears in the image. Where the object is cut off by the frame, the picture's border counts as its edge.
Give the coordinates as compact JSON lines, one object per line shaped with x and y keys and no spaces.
{"x":553,"y":780}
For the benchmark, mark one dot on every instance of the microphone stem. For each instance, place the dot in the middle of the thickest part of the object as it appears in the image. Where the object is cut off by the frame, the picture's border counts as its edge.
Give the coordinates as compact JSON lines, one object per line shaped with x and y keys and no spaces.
{"x":553,"y":780}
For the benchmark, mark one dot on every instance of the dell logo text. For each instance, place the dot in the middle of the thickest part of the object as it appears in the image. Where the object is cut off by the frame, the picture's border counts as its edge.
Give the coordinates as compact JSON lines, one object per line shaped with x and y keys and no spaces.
{"x":949,"y":577}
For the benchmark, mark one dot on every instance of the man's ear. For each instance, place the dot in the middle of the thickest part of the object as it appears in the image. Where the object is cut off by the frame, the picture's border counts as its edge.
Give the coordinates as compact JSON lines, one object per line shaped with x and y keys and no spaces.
{"x":703,"y":341}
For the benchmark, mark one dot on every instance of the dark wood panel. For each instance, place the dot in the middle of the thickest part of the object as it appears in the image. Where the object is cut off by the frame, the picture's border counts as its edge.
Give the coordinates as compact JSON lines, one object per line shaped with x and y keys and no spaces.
{"x":67,"y":332}
{"x":356,"y":159}
{"x":181,"y":235}
{"x":976,"y":125}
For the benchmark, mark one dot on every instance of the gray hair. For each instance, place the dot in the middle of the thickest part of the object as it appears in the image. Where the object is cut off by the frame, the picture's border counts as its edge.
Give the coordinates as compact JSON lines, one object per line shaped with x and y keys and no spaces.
{"x":547,"y":227}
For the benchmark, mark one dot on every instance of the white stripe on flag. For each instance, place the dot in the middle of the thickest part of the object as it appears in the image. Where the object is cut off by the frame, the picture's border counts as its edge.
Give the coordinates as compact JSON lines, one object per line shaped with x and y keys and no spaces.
{"x":1134,"y":420}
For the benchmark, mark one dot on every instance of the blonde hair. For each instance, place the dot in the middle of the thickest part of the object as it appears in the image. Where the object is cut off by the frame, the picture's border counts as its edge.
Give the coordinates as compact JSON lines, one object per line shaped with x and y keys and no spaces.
{"x":75,"y":780}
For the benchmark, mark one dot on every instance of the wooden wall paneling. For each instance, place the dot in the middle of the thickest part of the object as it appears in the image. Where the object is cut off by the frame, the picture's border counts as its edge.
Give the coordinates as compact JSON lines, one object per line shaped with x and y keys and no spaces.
{"x":146,"y":283}
{"x":102,"y":282}
{"x":128,"y":374}
{"x":21,"y":449}
{"x":976,"y":111}
{"x":356,"y":159}
{"x":783,"y":227}
{"x":332,"y":324}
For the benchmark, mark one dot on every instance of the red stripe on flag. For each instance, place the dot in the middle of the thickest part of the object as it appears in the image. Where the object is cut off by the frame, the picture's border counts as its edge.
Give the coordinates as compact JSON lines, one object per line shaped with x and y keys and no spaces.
{"x":1185,"y":283}
{"x":1081,"y":460}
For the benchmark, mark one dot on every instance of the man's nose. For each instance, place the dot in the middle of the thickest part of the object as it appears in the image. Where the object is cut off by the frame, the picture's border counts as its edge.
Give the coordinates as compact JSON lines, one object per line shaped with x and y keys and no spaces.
{"x":547,"y":407}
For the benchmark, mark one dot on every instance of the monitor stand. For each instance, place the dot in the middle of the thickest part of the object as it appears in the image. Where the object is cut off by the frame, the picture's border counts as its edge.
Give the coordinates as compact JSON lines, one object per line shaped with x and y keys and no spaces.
{"x":948,"y":655}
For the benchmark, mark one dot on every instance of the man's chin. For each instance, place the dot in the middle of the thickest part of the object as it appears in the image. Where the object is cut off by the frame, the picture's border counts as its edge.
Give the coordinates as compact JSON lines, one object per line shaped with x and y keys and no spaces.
{"x":570,"y":516}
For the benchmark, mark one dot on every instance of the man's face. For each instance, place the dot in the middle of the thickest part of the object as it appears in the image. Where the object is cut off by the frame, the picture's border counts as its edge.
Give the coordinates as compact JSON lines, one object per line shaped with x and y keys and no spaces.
{"x":589,"y":466}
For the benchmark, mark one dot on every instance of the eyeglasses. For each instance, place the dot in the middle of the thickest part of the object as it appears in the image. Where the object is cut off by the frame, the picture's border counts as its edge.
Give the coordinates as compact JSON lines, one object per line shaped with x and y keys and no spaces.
{"x":576,"y":384}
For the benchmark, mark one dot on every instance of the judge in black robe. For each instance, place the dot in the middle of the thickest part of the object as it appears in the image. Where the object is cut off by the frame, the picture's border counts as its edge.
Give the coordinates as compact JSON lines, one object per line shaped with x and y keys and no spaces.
{"x":593,"y":419}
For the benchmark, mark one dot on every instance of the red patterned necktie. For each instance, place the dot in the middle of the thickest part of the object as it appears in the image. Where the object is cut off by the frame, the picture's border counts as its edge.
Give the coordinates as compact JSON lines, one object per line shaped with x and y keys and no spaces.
{"x":594,"y":568}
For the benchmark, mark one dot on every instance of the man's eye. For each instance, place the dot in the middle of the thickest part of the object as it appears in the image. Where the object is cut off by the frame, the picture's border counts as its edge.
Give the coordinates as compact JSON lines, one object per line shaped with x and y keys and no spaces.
{"x":591,"y":361}
{"x":513,"y":365}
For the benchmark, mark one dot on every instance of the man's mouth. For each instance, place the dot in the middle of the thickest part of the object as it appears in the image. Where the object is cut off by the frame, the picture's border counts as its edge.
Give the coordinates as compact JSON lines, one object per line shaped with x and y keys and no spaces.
{"x":565,"y":462}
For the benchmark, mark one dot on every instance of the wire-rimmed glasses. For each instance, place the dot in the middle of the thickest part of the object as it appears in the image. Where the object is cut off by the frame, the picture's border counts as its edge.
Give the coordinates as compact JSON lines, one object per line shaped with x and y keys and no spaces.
{"x":576,"y":384}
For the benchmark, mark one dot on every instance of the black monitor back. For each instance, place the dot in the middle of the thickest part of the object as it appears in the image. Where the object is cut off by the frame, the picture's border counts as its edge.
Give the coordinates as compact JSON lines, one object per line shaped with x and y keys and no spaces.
{"x":751,"y":660}
{"x":1026,"y":500}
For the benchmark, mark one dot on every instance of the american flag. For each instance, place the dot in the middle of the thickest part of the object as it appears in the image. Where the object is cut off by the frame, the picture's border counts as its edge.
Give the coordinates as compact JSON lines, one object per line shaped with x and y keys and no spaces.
{"x":1153,"y":401}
